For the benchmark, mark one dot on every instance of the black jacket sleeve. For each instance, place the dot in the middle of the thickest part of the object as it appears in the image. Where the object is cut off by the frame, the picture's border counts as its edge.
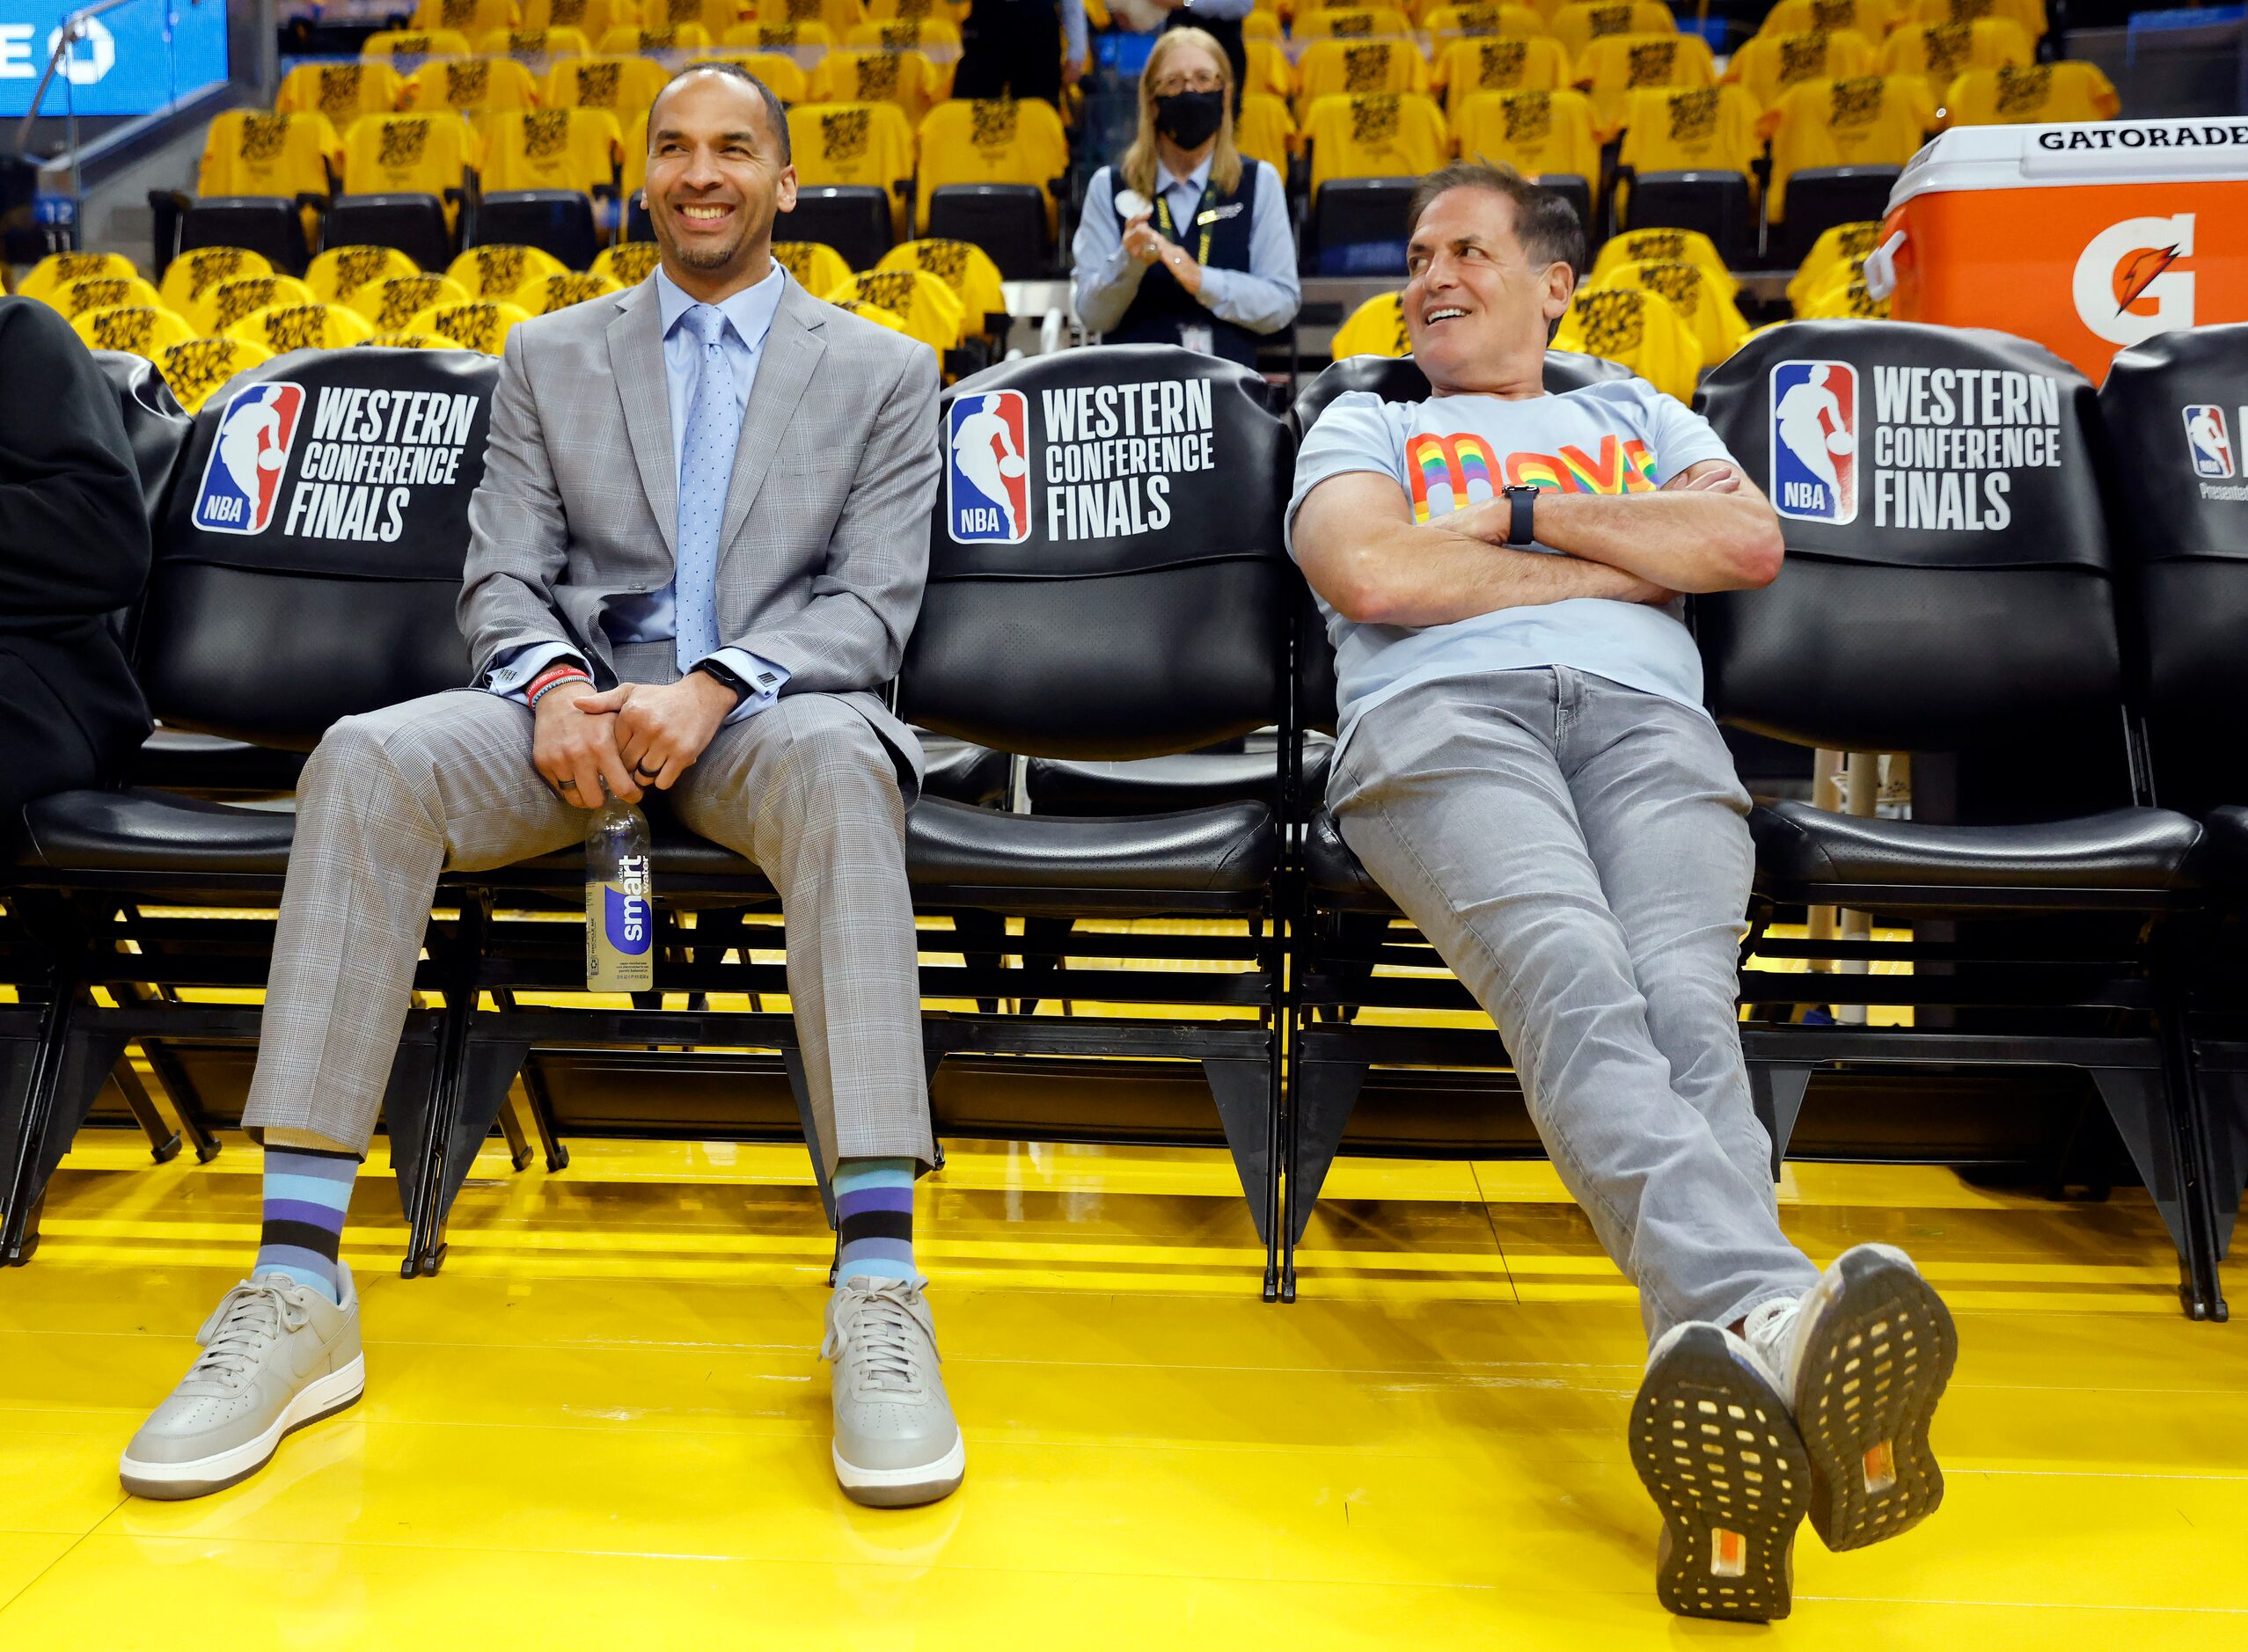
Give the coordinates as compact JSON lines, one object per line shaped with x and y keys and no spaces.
{"x":73,"y":539}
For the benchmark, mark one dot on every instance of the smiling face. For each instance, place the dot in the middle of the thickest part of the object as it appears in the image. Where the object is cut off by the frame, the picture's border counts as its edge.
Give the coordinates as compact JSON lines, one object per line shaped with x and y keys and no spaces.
{"x":715,"y":178}
{"x":1478,"y":309}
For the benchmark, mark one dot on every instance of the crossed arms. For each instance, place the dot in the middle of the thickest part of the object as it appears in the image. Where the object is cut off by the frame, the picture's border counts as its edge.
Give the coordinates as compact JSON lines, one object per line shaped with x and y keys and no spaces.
{"x":1707,"y":530}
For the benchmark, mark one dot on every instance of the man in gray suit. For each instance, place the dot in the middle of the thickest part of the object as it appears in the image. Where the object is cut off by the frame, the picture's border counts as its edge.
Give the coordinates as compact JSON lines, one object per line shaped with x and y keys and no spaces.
{"x":690,"y":570}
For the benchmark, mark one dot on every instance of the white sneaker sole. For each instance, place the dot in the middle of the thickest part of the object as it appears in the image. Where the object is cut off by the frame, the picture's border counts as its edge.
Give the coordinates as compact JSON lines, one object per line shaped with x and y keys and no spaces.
{"x":902,"y":1488}
{"x":322,"y":1397}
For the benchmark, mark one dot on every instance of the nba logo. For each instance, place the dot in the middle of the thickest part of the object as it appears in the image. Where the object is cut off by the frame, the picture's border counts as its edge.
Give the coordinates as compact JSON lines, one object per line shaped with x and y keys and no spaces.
{"x":242,"y":478}
{"x":987,"y":469}
{"x":2206,"y":441}
{"x":1814,"y":441}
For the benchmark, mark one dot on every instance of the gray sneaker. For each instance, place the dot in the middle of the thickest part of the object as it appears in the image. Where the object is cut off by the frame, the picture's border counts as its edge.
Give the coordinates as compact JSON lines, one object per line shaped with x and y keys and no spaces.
{"x":896,"y":1442}
{"x":276,"y":1356}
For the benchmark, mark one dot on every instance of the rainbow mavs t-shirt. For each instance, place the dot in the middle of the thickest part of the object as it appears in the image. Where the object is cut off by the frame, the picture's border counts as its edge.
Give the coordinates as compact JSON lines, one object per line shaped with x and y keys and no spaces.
{"x":1618,"y":436}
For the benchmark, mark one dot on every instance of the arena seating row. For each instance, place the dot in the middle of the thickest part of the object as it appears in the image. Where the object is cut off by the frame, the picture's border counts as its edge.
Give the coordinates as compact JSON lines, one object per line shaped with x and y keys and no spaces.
{"x":1100,"y":622}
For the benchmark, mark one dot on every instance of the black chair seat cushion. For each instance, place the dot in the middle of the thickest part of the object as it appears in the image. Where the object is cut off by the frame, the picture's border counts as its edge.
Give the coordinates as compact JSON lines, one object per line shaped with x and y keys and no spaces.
{"x":147,"y":832}
{"x":2125,"y":849}
{"x":1334,"y":873}
{"x":1149,"y":786}
{"x":175,"y":760}
{"x":1229,"y":849}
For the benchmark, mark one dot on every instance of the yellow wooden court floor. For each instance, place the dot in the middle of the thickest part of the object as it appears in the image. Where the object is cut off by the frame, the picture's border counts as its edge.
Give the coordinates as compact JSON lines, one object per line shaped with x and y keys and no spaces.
{"x":603,"y":1425}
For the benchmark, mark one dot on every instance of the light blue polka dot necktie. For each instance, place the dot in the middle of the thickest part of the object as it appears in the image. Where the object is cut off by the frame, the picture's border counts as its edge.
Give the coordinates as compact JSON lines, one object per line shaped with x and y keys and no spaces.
{"x":705,"y":466}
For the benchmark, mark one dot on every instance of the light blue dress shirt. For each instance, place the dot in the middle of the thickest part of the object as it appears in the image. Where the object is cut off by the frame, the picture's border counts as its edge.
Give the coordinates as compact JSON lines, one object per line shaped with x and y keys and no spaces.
{"x":1263,"y":297}
{"x":652,"y":617}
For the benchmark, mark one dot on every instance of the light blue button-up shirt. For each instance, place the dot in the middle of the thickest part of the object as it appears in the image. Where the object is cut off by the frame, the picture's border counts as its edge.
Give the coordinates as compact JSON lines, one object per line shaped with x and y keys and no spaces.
{"x":652,"y":617}
{"x":1263,"y":297}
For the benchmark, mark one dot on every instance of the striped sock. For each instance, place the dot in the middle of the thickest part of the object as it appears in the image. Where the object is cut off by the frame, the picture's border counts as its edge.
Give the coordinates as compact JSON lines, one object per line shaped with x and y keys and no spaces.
{"x":306,"y":1196}
{"x":873,"y":1220}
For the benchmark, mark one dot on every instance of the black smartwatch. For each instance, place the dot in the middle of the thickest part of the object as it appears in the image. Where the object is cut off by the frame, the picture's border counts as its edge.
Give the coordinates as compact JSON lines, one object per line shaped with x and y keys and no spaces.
{"x":732,"y":679}
{"x":1522,"y":501}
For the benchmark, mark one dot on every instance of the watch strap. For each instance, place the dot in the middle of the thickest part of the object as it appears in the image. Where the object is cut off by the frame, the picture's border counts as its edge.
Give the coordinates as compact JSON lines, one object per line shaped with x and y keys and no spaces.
{"x":1522,"y":509}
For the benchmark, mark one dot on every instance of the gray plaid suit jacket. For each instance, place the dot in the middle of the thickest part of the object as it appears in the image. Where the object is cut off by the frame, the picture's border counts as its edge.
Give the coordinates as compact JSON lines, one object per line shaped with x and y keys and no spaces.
{"x":826,"y":543}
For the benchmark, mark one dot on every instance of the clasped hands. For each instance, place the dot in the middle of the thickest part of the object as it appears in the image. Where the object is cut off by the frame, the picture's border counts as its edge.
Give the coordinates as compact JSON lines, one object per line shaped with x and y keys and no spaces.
{"x":1145,"y":245}
{"x":592,"y":746}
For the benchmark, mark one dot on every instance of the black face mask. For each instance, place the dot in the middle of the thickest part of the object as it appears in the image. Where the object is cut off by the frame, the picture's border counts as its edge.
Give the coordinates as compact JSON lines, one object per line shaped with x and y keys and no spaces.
{"x":1190,"y":119}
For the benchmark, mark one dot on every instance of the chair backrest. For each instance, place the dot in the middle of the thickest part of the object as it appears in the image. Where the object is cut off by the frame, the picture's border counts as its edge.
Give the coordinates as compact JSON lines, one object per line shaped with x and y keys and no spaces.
{"x":336,"y":276}
{"x":1499,"y":64}
{"x":629,"y":39}
{"x":407,"y":154}
{"x":1010,"y":141}
{"x":1642,"y":330}
{"x":470,"y":82}
{"x":467,"y":17}
{"x":1699,"y":299}
{"x":1381,"y":135}
{"x":1841,"y":248}
{"x":1664,"y":245}
{"x":1940,"y":53}
{"x":851,"y":143}
{"x":1766,"y":66}
{"x":536,"y":48}
{"x":1871,"y":121}
{"x":311,"y":553}
{"x":1352,"y":23}
{"x":1106,"y":574}
{"x":629,"y":263}
{"x":497,"y":268}
{"x":481,"y":324}
{"x":1614,"y":66}
{"x":282,"y":328}
{"x":1539,"y":134}
{"x":931,"y":311}
{"x":388,"y":304}
{"x":2029,"y":15}
{"x":1948,"y":583}
{"x":341,"y":91}
{"x":1581,"y":22}
{"x":197,"y":370}
{"x":779,"y":70}
{"x":1392,"y":379}
{"x":543,"y":295}
{"x":1872,"y":18}
{"x":1355,"y":68}
{"x":2015,"y":96}
{"x":1266,"y":131}
{"x":101,"y":292}
{"x":1700,"y":128}
{"x":962,"y":266}
{"x":155,"y":424}
{"x":624,"y":86}
{"x":196,"y":272}
{"x":136,"y":329}
{"x":1484,"y":18}
{"x":2171,"y":410}
{"x":249,"y":153}
{"x":228,"y":301}
{"x":415,"y":44}
{"x":909,"y":79}
{"x":593,"y":18}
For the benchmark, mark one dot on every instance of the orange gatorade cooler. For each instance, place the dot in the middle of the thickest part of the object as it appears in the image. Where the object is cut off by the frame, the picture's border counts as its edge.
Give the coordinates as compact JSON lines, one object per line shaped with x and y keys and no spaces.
{"x":2087,"y":237}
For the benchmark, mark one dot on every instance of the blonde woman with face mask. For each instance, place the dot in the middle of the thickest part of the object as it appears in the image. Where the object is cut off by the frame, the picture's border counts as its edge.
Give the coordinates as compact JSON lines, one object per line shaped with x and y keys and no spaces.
{"x":1185,"y":241}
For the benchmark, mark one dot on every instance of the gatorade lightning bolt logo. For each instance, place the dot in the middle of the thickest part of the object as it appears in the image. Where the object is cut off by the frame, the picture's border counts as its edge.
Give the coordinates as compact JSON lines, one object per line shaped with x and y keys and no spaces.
{"x":2129,"y":285}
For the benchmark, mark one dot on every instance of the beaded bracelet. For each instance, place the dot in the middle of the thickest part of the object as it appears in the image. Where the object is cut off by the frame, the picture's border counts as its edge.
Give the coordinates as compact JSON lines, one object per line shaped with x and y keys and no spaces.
{"x":554,"y":677}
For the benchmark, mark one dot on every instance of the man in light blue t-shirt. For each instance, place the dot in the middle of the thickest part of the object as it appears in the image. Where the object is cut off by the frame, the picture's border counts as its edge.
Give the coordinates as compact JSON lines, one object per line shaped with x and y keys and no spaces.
{"x":1524,"y":766}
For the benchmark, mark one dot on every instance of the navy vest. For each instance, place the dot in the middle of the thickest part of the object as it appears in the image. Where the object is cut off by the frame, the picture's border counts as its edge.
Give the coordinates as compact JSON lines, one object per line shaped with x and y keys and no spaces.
{"x":1162,"y":306}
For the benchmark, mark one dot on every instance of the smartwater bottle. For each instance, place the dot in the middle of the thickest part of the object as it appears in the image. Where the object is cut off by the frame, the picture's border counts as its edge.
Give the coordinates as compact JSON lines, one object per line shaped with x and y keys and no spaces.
{"x":620,"y":910}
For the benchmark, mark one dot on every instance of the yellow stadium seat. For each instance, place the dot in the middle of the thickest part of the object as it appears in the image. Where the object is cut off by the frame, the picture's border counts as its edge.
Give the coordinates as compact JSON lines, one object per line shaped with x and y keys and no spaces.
{"x":1331,"y":68}
{"x":1391,"y":135}
{"x":881,"y":317}
{"x":341,"y":91}
{"x":818,"y":269}
{"x":1699,"y":299}
{"x":1513,"y":22}
{"x":402,"y":340}
{"x":1539,"y":134}
{"x":57,"y":270}
{"x":807,"y":42}
{"x":1376,"y":327}
{"x":1505,"y":63}
{"x":838,"y":17}
{"x":200,"y":366}
{"x":1665,"y":246}
{"x":1940,"y":53}
{"x":342,"y":271}
{"x":863,"y":143}
{"x":1770,"y":64}
{"x":908,"y":80}
{"x":391,"y":302}
{"x":482,"y":327}
{"x":1265,"y":131}
{"x":409,"y":154}
{"x":1842,"y":248}
{"x":592,"y":18}
{"x":1642,"y":330}
{"x":229,"y":301}
{"x":316,"y":326}
{"x":469,"y":84}
{"x":1262,"y":26}
{"x":779,"y":70}
{"x":629,"y":263}
{"x":622,"y":86}
{"x":2070,"y":90}
{"x":940,"y":37}
{"x":1872,"y":121}
{"x":1712,"y":129}
{"x":1845,"y":300}
{"x":962,"y":266}
{"x":194,"y":272}
{"x":247,"y":153}
{"x":1872,"y":18}
{"x":1581,"y":22}
{"x":1614,"y":66}
{"x":539,"y":46}
{"x":953,"y":12}
{"x":415,"y":43}
{"x":497,"y":270}
{"x":552,"y":148}
{"x":712,"y":17}
{"x":931,"y":311}
{"x":542,"y":295}
{"x":136,"y":329}
{"x":102,"y":292}
{"x":1356,"y":23}
{"x":1016,"y":142}
{"x":633,"y":40}
{"x":1269,"y":69}
{"x":472,"y":18}
{"x":2030,"y":14}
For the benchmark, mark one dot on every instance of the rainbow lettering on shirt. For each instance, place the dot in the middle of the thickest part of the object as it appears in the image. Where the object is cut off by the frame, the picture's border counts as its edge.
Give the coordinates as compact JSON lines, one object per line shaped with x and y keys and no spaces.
{"x":1463,"y":467}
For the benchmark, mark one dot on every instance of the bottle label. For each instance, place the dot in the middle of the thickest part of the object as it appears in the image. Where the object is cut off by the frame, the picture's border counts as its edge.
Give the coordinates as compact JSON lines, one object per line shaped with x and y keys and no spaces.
{"x":620,"y":930}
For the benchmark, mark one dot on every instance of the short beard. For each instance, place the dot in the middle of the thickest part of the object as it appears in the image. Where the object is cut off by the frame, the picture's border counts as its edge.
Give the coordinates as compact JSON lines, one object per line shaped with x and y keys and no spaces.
{"x":714,"y":257}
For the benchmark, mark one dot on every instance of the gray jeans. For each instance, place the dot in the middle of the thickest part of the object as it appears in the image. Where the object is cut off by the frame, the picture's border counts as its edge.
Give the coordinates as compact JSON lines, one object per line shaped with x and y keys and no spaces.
{"x":1579,"y":853}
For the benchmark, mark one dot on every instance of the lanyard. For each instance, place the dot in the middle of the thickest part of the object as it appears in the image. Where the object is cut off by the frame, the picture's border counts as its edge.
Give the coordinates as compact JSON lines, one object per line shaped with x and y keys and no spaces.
{"x":1203,"y":217}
